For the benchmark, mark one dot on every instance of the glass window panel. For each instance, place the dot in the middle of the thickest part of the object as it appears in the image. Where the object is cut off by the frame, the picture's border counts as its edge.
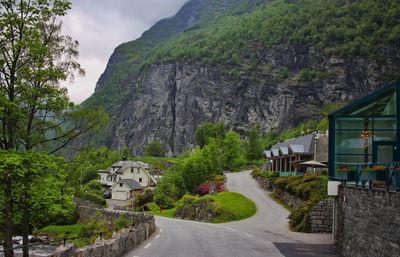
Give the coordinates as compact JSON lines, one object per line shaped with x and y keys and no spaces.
{"x":385,"y":136}
{"x":385,"y":123}
{"x":352,"y":123}
{"x":349,"y":159}
{"x":351,"y":142}
{"x":384,"y":154}
{"x":385,"y":105}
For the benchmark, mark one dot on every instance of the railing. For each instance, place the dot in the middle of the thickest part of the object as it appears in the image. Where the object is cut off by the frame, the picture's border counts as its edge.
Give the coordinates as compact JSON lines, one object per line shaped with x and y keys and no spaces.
{"x":290,"y":173}
{"x":373,"y":175}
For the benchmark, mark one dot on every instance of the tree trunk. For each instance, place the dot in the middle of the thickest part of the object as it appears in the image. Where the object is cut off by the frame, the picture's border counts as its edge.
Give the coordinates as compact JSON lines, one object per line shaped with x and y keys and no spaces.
{"x":8,"y":225}
{"x":25,"y":232}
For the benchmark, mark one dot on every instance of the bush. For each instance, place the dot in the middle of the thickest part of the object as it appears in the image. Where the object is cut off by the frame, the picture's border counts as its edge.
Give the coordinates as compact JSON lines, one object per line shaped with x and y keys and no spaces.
{"x":96,"y":199}
{"x":144,"y":198}
{"x":121,"y":222}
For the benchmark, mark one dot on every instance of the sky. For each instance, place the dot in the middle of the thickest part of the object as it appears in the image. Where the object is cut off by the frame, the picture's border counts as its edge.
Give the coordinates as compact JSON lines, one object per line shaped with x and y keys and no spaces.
{"x":101,"y":25}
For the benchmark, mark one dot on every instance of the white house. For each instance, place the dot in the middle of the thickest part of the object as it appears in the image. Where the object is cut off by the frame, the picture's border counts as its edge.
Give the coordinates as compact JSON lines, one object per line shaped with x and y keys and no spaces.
{"x":125,"y":189}
{"x":120,"y":170}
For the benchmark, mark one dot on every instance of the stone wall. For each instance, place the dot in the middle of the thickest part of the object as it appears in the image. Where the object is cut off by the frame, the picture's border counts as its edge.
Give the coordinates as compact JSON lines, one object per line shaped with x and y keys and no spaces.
{"x":120,"y":243}
{"x":320,"y":218}
{"x":367,"y":223}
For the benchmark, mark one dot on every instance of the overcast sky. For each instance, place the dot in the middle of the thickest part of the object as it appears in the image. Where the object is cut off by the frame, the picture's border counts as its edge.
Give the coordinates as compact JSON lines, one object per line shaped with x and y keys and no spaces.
{"x":101,"y":25}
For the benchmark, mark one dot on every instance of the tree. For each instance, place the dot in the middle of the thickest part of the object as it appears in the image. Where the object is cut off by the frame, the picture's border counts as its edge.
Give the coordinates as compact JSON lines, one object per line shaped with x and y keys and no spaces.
{"x":209,"y":130}
{"x":35,"y":112}
{"x":253,"y":145}
{"x":154,"y":149}
{"x":232,"y":151}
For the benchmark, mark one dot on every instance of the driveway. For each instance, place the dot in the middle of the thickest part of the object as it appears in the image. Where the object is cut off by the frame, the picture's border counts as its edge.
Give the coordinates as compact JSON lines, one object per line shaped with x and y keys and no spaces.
{"x":266,"y":234}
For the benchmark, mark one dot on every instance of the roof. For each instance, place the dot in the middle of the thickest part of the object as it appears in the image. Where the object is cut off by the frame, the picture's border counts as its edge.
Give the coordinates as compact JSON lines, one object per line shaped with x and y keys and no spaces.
{"x":121,"y":166}
{"x":284,"y":150}
{"x":131,"y":183}
{"x":302,"y":144}
{"x":267,"y":154}
{"x":364,"y":101}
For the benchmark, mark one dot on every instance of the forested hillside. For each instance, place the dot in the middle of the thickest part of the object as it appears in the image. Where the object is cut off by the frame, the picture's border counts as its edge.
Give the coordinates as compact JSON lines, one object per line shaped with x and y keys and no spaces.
{"x":273,"y":63}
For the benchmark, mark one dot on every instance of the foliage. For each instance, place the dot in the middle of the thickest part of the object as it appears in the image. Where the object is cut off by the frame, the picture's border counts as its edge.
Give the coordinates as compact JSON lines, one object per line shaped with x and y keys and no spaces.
{"x":257,"y":173}
{"x":94,"y":198}
{"x":209,"y":130}
{"x":228,"y":206}
{"x":220,"y":152}
{"x":94,"y":187}
{"x":121,"y":222}
{"x":84,"y":167}
{"x":253,"y":145}
{"x":204,"y":189}
{"x":233,"y":154}
{"x":311,"y":189}
{"x":144,"y":198}
{"x":92,"y":228}
{"x":154,"y":149}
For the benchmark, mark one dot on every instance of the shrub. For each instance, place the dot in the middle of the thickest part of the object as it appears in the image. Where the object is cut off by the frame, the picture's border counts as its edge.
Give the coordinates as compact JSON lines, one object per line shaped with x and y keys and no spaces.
{"x":96,"y":199}
{"x":144,"y":198}
{"x":121,"y":222}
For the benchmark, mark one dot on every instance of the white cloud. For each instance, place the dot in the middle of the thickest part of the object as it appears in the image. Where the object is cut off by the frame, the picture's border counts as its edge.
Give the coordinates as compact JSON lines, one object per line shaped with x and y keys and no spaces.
{"x":100,"y":26}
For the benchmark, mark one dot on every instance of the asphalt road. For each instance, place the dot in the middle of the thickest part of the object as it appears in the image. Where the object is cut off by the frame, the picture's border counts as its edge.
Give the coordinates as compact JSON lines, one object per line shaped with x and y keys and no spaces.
{"x":266,"y":234}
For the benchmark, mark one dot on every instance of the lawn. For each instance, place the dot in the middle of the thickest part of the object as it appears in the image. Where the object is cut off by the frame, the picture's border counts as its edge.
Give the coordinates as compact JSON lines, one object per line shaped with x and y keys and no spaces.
{"x":66,"y":231}
{"x":235,"y":206}
{"x":232,"y":206}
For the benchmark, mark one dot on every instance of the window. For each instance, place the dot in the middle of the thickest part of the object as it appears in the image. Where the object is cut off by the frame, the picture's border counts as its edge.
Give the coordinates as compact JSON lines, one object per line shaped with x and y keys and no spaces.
{"x":119,"y":178}
{"x":140,"y":179}
{"x":120,"y":184}
{"x":131,"y":169}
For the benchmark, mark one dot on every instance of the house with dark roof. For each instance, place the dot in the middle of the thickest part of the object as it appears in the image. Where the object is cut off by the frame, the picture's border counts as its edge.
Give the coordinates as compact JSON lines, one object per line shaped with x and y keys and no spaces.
{"x":125,"y":189}
{"x":284,"y":157}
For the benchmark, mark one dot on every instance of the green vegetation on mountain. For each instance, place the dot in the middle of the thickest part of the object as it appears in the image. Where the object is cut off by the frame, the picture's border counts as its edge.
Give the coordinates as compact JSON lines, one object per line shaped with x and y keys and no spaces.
{"x":128,"y":58}
{"x":344,"y":28}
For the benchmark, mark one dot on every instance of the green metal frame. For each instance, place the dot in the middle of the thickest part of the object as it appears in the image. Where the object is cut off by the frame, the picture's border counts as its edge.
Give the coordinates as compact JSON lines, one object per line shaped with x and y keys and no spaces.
{"x":356,"y":105}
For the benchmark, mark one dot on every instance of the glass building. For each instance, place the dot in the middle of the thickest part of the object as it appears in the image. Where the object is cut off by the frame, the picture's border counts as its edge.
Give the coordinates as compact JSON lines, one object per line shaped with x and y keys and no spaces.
{"x":364,"y":138}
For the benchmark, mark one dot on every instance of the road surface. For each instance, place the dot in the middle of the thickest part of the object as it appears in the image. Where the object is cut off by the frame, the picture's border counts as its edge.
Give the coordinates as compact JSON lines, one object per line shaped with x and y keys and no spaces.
{"x":266,"y":234}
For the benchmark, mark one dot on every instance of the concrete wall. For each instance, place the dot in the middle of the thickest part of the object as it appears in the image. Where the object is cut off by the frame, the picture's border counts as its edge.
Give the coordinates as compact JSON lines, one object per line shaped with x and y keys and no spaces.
{"x":120,"y":243}
{"x":367,"y":223}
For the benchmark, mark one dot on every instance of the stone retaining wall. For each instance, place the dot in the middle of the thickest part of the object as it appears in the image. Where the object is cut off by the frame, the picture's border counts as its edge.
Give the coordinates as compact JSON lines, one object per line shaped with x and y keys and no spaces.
{"x":367,"y":223}
{"x":120,"y":243}
{"x":320,"y":218}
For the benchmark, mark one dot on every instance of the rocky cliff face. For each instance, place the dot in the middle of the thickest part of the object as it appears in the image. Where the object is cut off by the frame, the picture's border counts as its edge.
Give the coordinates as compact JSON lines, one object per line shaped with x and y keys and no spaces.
{"x":169,"y":100}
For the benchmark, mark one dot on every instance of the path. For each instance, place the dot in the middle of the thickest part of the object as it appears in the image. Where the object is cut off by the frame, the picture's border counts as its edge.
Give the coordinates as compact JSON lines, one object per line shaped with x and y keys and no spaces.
{"x":266,"y":234}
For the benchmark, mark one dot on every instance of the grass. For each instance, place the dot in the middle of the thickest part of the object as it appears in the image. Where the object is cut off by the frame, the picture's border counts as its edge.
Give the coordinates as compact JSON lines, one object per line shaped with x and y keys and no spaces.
{"x":157,"y":162}
{"x":234,"y":206}
{"x":66,"y":231}
{"x":155,"y":210}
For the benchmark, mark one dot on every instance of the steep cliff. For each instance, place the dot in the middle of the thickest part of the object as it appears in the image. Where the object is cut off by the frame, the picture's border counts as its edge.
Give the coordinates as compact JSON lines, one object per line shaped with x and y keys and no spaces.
{"x":235,"y":62}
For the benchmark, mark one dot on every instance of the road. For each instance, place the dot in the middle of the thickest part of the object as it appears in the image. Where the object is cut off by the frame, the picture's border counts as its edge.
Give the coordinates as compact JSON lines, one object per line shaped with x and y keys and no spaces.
{"x":266,"y":234}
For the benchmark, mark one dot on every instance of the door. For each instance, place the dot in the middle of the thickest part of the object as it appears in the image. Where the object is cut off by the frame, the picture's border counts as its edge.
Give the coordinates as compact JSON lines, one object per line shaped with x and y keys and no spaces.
{"x":384,"y":153}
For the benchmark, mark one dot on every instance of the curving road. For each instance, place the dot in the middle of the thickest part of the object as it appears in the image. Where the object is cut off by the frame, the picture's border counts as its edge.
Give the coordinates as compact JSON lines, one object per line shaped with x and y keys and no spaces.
{"x":266,"y":234}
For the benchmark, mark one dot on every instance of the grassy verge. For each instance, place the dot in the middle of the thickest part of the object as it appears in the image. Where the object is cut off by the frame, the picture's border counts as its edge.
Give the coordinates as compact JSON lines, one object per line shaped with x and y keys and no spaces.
{"x":234,"y":206}
{"x":155,"y":210}
{"x":66,"y":231}
{"x":230,"y":206}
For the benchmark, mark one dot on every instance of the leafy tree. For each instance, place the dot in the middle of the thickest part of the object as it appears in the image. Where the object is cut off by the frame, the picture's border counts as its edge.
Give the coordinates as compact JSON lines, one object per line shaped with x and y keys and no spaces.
{"x":209,"y":130}
{"x":37,"y":190}
{"x":233,"y":153}
{"x":253,"y":145}
{"x":35,"y":111}
{"x":154,"y":149}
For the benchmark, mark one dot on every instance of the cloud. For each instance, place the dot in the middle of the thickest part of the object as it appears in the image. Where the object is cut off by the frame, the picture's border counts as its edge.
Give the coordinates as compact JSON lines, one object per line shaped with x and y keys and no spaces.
{"x":102,"y":25}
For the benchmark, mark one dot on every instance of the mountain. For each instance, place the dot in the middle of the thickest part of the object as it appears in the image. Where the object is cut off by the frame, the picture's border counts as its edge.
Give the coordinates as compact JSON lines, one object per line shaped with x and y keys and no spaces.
{"x":272,"y":63}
